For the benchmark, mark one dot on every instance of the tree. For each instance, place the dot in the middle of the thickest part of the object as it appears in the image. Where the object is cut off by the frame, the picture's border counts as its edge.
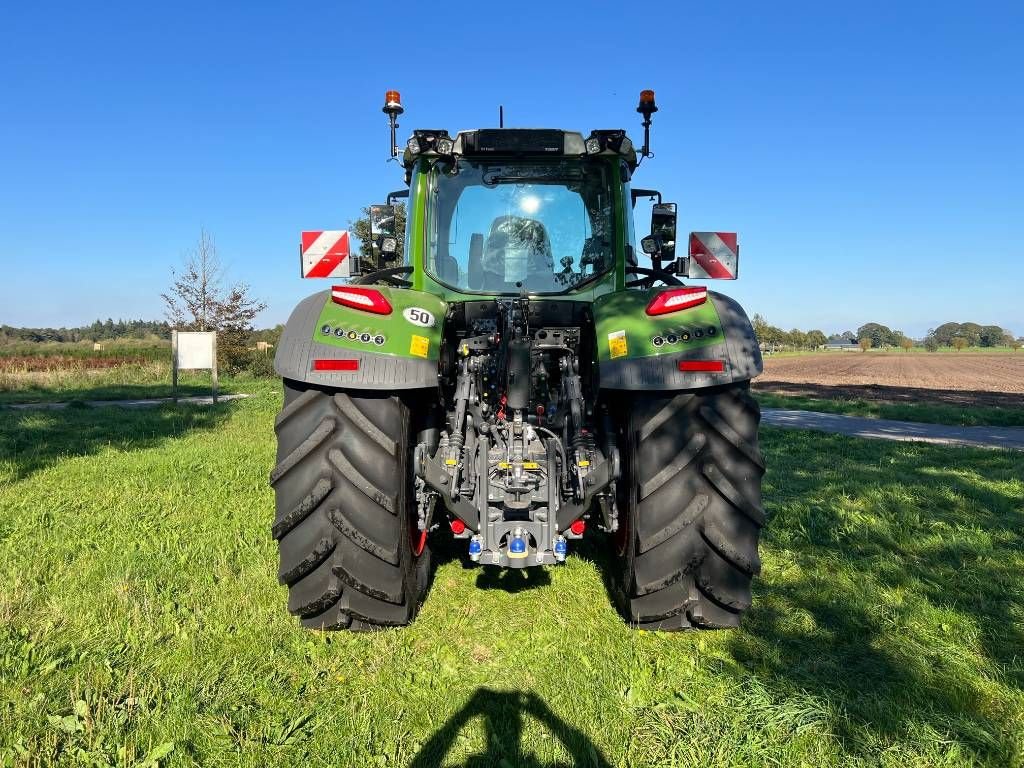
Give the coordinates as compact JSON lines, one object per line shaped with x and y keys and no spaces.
{"x":361,"y":229}
{"x":760,"y":326}
{"x":971,"y":332}
{"x":768,"y":335}
{"x":816,"y":339}
{"x":907,"y":344}
{"x":198,"y":302}
{"x":931,"y":343}
{"x":959,"y":342}
{"x":192,"y":301}
{"x":944,"y":333}
{"x":880,"y":335}
{"x":991,"y":336}
{"x":865,"y":343}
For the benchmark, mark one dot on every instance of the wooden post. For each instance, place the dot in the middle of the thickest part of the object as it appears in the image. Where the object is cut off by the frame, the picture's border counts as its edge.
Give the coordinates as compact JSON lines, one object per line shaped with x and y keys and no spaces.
{"x":214,"y":374}
{"x":174,"y":366}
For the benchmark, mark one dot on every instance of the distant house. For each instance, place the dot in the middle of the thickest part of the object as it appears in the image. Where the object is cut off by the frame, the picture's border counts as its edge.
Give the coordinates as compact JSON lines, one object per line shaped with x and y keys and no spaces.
{"x":841,"y":344}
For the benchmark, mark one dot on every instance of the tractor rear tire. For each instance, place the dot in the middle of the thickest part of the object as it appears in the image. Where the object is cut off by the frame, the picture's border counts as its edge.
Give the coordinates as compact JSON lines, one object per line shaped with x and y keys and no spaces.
{"x":345,"y":521}
{"x":691,"y":508}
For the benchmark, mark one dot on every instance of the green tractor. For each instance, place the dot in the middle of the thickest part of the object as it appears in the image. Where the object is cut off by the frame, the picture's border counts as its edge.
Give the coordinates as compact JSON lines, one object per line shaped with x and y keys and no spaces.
{"x":512,"y":378}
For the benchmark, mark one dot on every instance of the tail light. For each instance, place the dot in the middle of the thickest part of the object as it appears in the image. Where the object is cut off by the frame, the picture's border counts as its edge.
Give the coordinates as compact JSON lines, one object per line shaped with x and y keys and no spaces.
{"x":335,"y":364}
{"x":702,"y":366}
{"x":366,"y":299}
{"x":675,"y":299}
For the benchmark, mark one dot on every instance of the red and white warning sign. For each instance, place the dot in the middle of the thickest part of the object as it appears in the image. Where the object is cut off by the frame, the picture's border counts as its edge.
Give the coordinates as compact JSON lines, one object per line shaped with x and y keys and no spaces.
{"x":325,"y":253}
{"x":714,"y":255}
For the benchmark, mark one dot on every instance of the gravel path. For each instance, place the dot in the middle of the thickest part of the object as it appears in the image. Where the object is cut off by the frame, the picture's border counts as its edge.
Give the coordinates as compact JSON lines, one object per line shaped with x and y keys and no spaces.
{"x":1011,"y":438}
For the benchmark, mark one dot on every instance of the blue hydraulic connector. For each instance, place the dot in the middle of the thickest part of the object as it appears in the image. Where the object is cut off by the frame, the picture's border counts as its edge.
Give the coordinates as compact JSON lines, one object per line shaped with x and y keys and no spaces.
{"x":475,"y":548}
{"x":561,"y":548}
{"x":517,"y":545}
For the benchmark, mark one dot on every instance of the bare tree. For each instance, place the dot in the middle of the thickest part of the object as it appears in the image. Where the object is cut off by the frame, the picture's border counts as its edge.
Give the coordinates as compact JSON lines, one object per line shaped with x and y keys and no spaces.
{"x":198,"y":301}
{"x":191,"y":304}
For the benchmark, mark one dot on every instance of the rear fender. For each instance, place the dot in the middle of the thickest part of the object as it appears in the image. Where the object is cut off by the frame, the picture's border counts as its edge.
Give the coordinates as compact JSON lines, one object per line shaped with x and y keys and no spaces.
{"x":399,"y":350}
{"x":668,"y":352}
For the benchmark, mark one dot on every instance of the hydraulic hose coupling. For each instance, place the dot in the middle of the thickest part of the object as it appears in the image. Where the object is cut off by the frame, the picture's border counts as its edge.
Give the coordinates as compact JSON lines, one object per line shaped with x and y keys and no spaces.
{"x":517,"y":545}
{"x":475,"y":548}
{"x":561,"y":549}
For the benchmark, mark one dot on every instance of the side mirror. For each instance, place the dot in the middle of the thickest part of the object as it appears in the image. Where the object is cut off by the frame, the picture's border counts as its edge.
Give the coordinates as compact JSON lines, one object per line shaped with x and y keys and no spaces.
{"x":383,"y":235}
{"x":663,"y":228}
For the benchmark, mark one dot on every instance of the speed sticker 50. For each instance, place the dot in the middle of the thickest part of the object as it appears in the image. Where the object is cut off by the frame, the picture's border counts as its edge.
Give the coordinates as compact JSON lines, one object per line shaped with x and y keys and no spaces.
{"x":418,"y":316}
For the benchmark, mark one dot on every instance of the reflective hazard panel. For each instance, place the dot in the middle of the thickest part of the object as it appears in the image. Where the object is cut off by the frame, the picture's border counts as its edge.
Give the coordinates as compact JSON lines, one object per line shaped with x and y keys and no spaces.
{"x":714,"y":255}
{"x":325,"y":253}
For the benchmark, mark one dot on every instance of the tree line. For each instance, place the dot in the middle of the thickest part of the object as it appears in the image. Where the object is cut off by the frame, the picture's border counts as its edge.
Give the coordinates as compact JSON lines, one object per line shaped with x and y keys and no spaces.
{"x":100,"y":330}
{"x":879,"y":336}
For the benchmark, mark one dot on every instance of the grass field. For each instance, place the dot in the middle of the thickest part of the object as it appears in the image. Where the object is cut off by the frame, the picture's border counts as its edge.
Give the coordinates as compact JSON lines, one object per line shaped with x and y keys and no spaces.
{"x":141,"y":623}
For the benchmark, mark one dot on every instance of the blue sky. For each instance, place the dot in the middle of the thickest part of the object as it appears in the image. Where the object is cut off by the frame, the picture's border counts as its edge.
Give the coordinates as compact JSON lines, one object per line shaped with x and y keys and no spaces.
{"x":871,"y":155}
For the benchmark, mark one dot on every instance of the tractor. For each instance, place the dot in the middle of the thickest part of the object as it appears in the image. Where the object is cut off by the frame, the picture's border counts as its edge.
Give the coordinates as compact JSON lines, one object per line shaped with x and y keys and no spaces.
{"x":505,"y":373}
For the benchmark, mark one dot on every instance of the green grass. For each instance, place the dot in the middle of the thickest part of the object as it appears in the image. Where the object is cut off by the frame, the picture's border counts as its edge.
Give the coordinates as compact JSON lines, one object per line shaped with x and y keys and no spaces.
{"x":152,"y":349}
{"x":125,"y":382}
{"x":141,"y":622}
{"x":931,"y":413}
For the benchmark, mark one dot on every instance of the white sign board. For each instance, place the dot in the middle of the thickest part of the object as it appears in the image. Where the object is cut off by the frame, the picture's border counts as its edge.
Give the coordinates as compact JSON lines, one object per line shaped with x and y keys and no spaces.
{"x":195,"y":349}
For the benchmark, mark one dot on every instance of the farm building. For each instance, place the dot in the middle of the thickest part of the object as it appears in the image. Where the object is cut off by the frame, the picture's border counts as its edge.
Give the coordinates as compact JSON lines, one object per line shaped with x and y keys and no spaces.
{"x":840,"y":344}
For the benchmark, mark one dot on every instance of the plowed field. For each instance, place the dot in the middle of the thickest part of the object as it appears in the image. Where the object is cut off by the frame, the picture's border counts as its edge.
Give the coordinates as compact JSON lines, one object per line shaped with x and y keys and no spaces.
{"x":961,"y":379}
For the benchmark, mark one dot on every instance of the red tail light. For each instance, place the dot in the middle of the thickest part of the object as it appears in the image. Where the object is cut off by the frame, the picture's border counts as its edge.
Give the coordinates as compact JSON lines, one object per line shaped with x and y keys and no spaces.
{"x":578,"y":527}
{"x":675,"y":299}
{"x":702,"y":366}
{"x":366,"y":299}
{"x":335,"y":365}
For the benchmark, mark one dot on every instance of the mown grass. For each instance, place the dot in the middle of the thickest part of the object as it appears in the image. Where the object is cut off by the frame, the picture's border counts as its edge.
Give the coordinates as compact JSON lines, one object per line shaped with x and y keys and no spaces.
{"x":931,"y":413}
{"x":123,"y":382}
{"x":141,"y":622}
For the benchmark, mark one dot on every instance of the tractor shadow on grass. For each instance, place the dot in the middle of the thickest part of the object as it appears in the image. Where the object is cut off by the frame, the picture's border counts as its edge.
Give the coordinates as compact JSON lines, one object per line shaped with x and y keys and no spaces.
{"x":32,"y":440}
{"x":512,"y":580}
{"x":895,"y":563}
{"x":504,"y":715}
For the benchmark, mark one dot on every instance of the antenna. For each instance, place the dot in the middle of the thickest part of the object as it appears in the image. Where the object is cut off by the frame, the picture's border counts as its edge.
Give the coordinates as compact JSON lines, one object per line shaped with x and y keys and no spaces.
{"x":501,"y":116}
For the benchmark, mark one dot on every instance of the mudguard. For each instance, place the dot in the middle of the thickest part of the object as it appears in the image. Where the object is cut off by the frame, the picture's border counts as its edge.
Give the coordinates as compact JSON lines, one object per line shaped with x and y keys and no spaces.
{"x":704,"y":346}
{"x":399,"y":350}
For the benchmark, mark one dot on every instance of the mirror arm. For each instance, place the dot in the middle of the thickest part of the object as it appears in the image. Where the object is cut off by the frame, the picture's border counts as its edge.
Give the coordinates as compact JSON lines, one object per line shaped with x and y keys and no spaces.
{"x":636,"y":194}
{"x":401,"y":193}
